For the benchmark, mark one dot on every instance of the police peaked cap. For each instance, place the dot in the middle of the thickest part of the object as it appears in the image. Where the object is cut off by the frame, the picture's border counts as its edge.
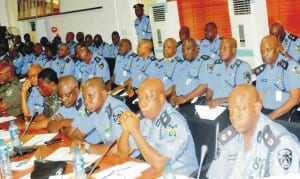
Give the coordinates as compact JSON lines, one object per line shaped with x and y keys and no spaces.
{"x":138,"y":5}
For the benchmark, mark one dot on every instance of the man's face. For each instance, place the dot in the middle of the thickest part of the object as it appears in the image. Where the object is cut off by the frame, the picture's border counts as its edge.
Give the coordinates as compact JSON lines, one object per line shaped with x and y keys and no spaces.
{"x":33,"y":76}
{"x":63,"y":51}
{"x":210,"y":32}
{"x":115,"y":39}
{"x":37,"y":50}
{"x":169,"y":49}
{"x":45,"y":88}
{"x":88,"y":41}
{"x":269,"y":52}
{"x":139,"y":11}
{"x":93,"y":98}
{"x":67,"y":95}
{"x":149,"y":102}
{"x":69,"y":37}
{"x":124,"y":48}
{"x":189,"y":50}
{"x":227,"y":52}
{"x":4,"y":76}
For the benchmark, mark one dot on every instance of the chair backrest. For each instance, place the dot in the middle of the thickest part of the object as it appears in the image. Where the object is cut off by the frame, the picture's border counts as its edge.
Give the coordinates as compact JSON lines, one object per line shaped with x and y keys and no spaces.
{"x":293,"y":127}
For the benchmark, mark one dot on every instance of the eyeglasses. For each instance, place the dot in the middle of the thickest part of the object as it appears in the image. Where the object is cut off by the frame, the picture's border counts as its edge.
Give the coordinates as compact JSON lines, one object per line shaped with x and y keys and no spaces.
{"x":67,"y":95}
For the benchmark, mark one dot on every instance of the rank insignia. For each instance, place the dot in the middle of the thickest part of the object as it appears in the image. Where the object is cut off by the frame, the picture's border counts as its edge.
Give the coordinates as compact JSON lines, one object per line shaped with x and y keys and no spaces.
{"x":259,"y":69}
{"x":172,"y":130}
{"x":247,"y":76}
{"x":270,"y":140}
{"x":9,"y":92}
{"x":116,"y":116}
{"x":164,"y":119}
{"x":297,"y":48}
{"x":226,"y":135}
{"x":210,"y":68}
{"x":101,"y":65}
{"x":295,"y":70}
{"x":285,"y":157}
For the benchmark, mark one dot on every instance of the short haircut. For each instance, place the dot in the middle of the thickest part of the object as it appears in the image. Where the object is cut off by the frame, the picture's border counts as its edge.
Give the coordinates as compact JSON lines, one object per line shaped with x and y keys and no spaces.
{"x":48,"y":75}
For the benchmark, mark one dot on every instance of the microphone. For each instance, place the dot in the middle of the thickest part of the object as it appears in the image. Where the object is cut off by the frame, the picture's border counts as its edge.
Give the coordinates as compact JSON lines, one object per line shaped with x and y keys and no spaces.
{"x":202,"y":157}
{"x":30,"y":122}
{"x":111,"y":144}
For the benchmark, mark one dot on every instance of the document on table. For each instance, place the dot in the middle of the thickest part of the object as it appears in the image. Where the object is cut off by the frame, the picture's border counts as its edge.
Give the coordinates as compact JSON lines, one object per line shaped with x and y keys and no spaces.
{"x":7,"y":118}
{"x":128,"y":170}
{"x":63,"y":153}
{"x":4,"y":135}
{"x":39,"y":139}
{"x":205,"y":112}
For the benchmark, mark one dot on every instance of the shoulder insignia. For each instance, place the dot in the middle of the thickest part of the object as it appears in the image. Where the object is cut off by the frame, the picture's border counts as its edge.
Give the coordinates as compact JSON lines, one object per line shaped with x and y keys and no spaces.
{"x":9,"y":92}
{"x":178,"y":59}
{"x":152,"y":58}
{"x":108,"y":111}
{"x":285,"y":158}
{"x":210,"y":68}
{"x":178,"y":43}
{"x":204,"y":57}
{"x":270,"y":140}
{"x":293,"y":37}
{"x":101,"y":65}
{"x":247,"y":76}
{"x":68,"y":60}
{"x":79,"y":104}
{"x":295,"y":70}
{"x":116,"y":116}
{"x":164,"y":119}
{"x":133,"y":55}
{"x":218,"y":62}
{"x":97,"y":59}
{"x":159,"y":60}
{"x":172,"y":130}
{"x":283,"y":64}
{"x":226,"y":135}
{"x":257,"y":71}
{"x":238,"y":62}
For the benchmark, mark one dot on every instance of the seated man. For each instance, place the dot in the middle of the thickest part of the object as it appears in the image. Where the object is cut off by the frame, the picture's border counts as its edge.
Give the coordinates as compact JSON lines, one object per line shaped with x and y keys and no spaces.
{"x":162,"y":136}
{"x":10,"y":90}
{"x":277,"y":81}
{"x":226,"y":73}
{"x":31,"y":99}
{"x":254,"y":146}
{"x":102,"y":121}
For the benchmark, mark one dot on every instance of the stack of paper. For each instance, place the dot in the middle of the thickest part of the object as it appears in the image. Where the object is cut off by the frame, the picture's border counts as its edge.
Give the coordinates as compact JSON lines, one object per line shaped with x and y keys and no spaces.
{"x":4,"y":135}
{"x":205,"y":112}
{"x":125,"y":170}
{"x":7,"y":118}
{"x":39,"y":139}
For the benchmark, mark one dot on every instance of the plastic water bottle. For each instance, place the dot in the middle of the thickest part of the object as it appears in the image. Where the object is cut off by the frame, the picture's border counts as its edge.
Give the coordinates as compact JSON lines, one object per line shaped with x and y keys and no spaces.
{"x":169,"y":172}
{"x":78,"y":164}
{"x":14,"y":134}
{"x":5,"y":161}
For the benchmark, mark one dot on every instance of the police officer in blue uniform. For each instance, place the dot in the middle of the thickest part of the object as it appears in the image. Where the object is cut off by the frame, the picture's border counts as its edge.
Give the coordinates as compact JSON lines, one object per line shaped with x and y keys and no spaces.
{"x":226,"y":74}
{"x":113,"y":48}
{"x":71,"y":44}
{"x":290,"y":43}
{"x":39,"y":56}
{"x":51,"y":56}
{"x":210,"y":45}
{"x":142,"y":23}
{"x":28,"y":58}
{"x":66,"y":64}
{"x":254,"y":146}
{"x":31,"y":99}
{"x":100,"y":47}
{"x":103,"y":113}
{"x":96,"y":65}
{"x":155,"y":136}
{"x":191,"y":83}
{"x":79,"y":65}
{"x":184,"y":33}
{"x":277,"y":81}
{"x":17,"y":59}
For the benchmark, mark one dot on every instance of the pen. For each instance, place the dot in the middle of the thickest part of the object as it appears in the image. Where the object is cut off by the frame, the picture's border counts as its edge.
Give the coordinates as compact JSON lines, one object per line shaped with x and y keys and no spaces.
{"x":89,"y":133}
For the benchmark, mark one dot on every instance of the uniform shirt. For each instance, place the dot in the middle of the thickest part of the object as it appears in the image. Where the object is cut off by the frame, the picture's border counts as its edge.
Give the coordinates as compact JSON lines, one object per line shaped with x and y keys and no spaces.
{"x":169,"y":67}
{"x":273,"y":151}
{"x":291,"y":44}
{"x":28,"y":58}
{"x":170,"y":135}
{"x":66,"y":66}
{"x":145,"y":68}
{"x":143,"y":28}
{"x":71,"y":46}
{"x":113,"y":50}
{"x":79,"y":69}
{"x":223,"y":79}
{"x":10,"y":94}
{"x":104,"y":125}
{"x":18,"y":63}
{"x":193,"y":74}
{"x":51,"y":105}
{"x":124,"y":66}
{"x":97,"y":67}
{"x":55,"y":65}
{"x":102,"y":50}
{"x":275,"y":83}
{"x":41,"y":60}
{"x":35,"y":101}
{"x":211,"y":49}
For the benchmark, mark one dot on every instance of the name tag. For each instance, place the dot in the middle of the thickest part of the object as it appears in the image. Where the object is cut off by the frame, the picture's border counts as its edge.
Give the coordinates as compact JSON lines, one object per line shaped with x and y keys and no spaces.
{"x":278,"y":96}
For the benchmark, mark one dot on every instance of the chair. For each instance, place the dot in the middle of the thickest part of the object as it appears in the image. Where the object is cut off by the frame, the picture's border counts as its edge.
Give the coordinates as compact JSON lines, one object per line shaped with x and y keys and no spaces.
{"x":292,"y":127}
{"x":294,"y":115}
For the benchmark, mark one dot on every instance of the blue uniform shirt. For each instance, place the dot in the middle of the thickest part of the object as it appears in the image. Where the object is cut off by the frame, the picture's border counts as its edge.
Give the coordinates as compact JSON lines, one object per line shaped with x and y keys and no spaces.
{"x":28,"y":58}
{"x":35,"y":101}
{"x":170,"y":135}
{"x":102,"y":50}
{"x":273,"y":152}
{"x":124,"y":67}
{"x":55,"y":65}
{"x":193,"y":74}
{"x":18,"y":63}
{"x":41,"y":60}
{"x":143,"y":28}
{"x":71,"y":46}
{"x":66,"y":66}
{"x":275,"y":83}
{"x":223,"y":79}
{"x":97,"y":67}
{"x":211,"y":49}
{"x":291,"y":44}
{"x":113,"y":50}
{"x":79,"y":69}
{"x":106,"y":121}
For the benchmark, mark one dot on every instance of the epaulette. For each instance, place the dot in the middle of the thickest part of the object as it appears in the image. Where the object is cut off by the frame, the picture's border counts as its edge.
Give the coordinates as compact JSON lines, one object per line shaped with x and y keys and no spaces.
{"x":226,"y":135}
{"x":178,"y":43}
{"x":116,"y":116}
{"x":164,"y":119}
{"x":79,"y":104}
{"x":218,"y":62}
{"x":238,"y":62}
{"x":270,"y":140}
{"x":97,"y":59}
{"x":293,"y":37}
{"x":68,"y":60}
{"x":178,"y":59}
{"x":259,"y":69}
{"x":133,"y":55}
{"x":283,"y":64}
{"x":148,"y":17}
{"x":204,"y":57}
{"x":152,"y":58}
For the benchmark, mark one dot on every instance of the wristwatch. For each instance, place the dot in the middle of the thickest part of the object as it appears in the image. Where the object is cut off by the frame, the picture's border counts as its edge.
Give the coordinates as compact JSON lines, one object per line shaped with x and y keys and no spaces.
{"x":87,"y":147}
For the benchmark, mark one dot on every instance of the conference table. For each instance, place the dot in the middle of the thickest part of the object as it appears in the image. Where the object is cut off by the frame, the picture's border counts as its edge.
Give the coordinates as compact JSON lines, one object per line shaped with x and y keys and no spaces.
{"x":108,"y":160}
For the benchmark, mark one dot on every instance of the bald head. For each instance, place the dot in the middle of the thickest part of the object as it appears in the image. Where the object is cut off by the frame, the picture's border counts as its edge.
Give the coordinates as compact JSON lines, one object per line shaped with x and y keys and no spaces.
{"x":144,"y":48}
{"x":228,"y":49}
{"x":95,"y":82}
{"x":85,"y":54}
{"x":169,"y":47}
{"x":153,"y":84}
{"x":245,"y":92}
{"x":270,"y":49}
{"x":68,"y":80}
{"x":277,"y":30}
{"x":230,"y":41}
{"x":190,"y":49}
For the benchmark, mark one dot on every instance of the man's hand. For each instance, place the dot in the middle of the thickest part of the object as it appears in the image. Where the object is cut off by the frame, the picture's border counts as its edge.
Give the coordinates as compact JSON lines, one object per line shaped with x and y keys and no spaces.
{"x":213,"y":103}
{"x":26,"y":85}
{"x":129,"y":121}
{"x":175,"y":100}
{"x":77,"y":143}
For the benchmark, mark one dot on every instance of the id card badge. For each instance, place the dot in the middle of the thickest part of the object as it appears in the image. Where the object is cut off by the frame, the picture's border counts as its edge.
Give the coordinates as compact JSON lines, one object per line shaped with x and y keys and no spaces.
{"x":164,"y":79}
{"x":124,"y":73}
{"x":278,"y":96}
{"x":188,"y":81}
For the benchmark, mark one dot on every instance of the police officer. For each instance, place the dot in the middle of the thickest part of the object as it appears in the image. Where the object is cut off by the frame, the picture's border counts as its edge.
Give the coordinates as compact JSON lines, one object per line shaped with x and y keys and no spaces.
{"x":254,"y":146}
{"x":103,"y":113}
{"x":289,"y":42}
{"x":66,"y":64}
{"x":10,"y":90}
{"x":210,"y":45}
{"x":226,"y":74}
{"x":71,"y":44}
{"x":88,"y":41}
{"x":191,"y":83}
{"x":17,"y":59}
{"x":80,"y":38}
{"x":96,"y":65}
{"x":31,"y":99}
{"x":39,"y":56}
{"x":51,"y":57}
{"x":124,"y":64}
{"x":142,"y":23}
{"x":184,"y":34}
{"x":113,"y":48}
{"x":277,"y":81}
{"x":100,"y":47}
{"x":28,"y":58}
{"x":79,"y":65}
{"x":158,"y":132}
